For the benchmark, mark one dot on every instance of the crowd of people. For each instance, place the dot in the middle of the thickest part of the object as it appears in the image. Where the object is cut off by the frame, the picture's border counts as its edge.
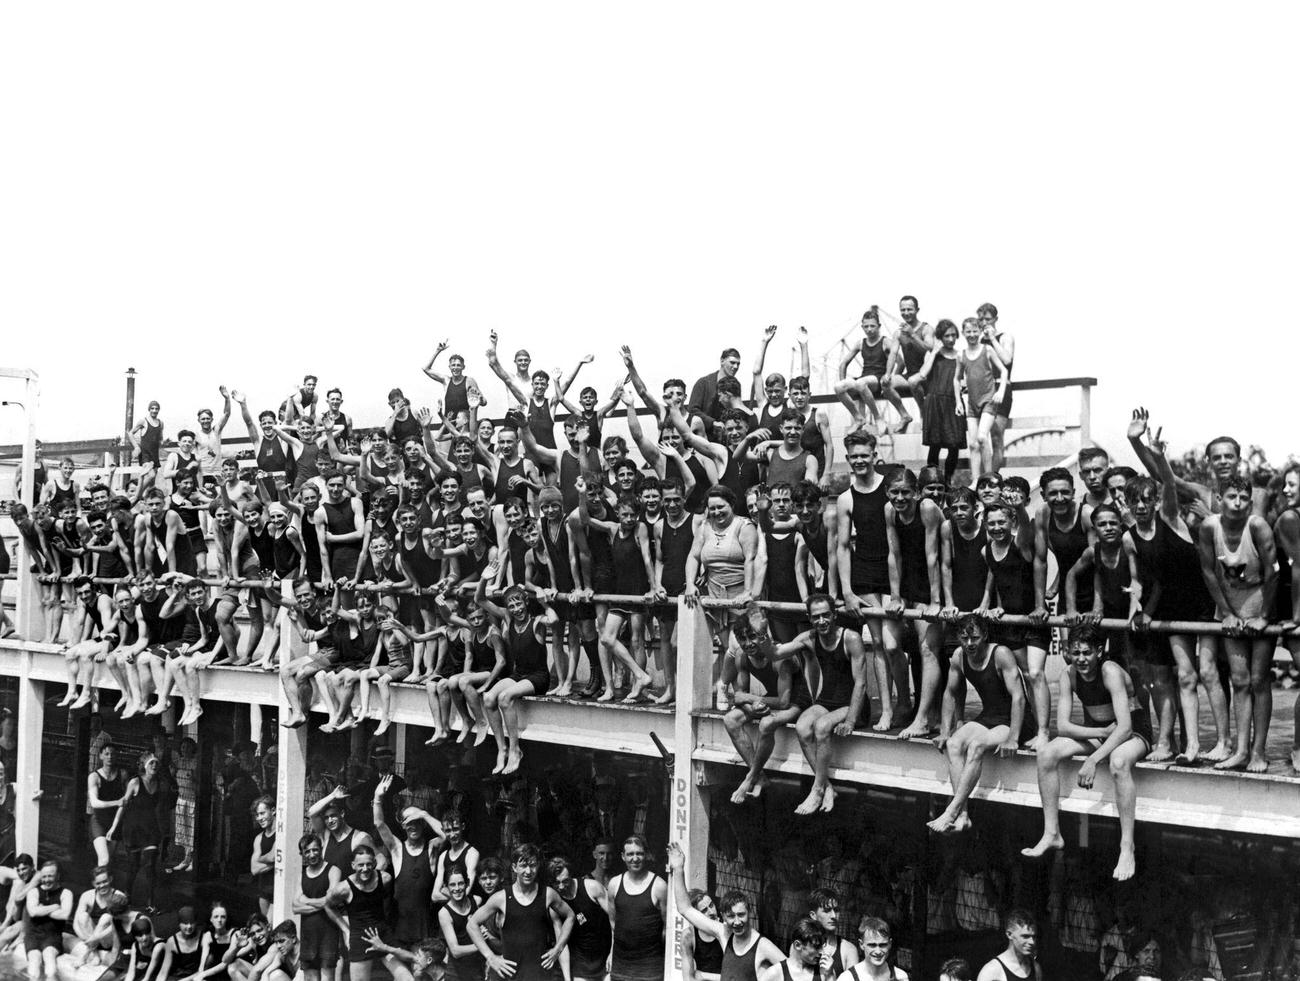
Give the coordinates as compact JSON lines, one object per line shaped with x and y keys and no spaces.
{"x":485,"y":561}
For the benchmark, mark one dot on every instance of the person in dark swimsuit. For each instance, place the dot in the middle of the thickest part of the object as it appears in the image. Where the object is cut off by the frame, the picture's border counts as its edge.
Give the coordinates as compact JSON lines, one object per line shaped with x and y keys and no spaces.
{"x":356,"y":636}
{"x":877,"y":942}
{"x":1016,"y":962}
{"x":593,"y":933}
{"x":839,"y":955}
{"x":216,"y":941}
{"x":49,"y":912}
{"x":752,"y":720}
{"x":639,"y":898}
{"x":262,"y":862}
{"x":1005,"y":720}
{"x":183,"y":951}
{"x":745,"y":953}
{"x":364,"y":895}
{"x":140,"y":827}
{"x":94,"y":921}
{"x":284,"y":960}
{"x":320,"y":942}
{"x":148,"y":435}
{"x":525,"y":908}
{"x":1116,"y":730}
{"x":464,"y":962}
{"x":807,"y":941}
{"x":702,"y":951}
{"x":837,"y":660}
{"x":1011,"y":562}
{"x":525,"y":644}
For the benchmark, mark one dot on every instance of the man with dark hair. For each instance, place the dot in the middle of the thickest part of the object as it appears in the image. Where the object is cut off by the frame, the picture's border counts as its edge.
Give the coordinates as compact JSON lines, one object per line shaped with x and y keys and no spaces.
{"x":640,"y":900}
{"x":807,"y":941}
{"x":525,"y":908}
{"x":1003,"y":344}
{"x":1017,"y":961}
{"x":593,"y":931}
{"x":704,"y":393}
{"x":745,"y":953}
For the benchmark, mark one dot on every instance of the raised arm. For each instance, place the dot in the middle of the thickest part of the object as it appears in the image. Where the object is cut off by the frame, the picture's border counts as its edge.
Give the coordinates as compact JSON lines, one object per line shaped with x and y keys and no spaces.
{"x":756,"y":383}
{"x":655,"y":404}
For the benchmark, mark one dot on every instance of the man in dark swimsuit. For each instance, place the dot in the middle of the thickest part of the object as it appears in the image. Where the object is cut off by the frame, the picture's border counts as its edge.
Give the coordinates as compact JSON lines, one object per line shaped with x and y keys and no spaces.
{"x":745,"y":953}
{"x":593,"y":932}
{"x":1016,"y":963}
{"x":1005,"y":719}
{"x":640,"y":899}
{"x":525,"y":907}
{"x":842,"y":670}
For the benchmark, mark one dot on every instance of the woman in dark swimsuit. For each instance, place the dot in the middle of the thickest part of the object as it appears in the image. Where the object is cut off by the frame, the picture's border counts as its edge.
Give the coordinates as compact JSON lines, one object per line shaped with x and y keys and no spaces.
{"x":139,"y":825}
{"x":525,"y":645}
{"x":216,"y":941}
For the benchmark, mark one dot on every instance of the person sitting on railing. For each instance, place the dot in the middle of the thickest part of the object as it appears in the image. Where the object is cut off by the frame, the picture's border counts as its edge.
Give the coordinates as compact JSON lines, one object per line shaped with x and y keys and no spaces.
{"x":880,"y":358}
{"x":356,"y":640}
{"x":64,"y":541}
{"x":476,"y":664}
{"x":1116,"y":730}
{"x":133,"y":637}
{"x":1238,"y":561}
{"x":91,"y":636}
{"x":191,"y":650}
{"x":752,"y":719}
{"x":1005,"y":722}
{"x":836,"y":661}
{"x":390,"y":663}
{"x":524,"y":636}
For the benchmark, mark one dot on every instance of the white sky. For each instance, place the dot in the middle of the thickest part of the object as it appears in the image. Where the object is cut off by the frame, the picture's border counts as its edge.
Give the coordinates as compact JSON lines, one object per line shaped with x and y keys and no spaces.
{"x":241,"y":192}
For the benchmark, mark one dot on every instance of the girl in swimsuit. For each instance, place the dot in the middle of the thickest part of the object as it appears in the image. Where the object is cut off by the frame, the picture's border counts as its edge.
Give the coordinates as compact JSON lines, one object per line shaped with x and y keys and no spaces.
{"x":984,"y":377}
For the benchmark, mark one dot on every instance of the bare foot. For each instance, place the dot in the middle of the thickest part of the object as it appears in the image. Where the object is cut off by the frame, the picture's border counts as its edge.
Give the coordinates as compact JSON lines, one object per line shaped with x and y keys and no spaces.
{"x":121,"y":704}
{"x":69,"y":698}
{"x":415,"y":679}
{"x":917,"y":730}
{"x":239,"y":662}
{"x":501,"y":761}
{"x":198,"y":711}
{"x":1160,"y":753}
{"x":667,"y":698}
{"x":480,"y":735}
{"x":1257,"y":764}
{"x":158,"y":709}
{"x":961,"y":823}
{"x":885,"y":723}
{"x":741,"y":793}
{"x":1188,"y":756}
{"x":330,"y":726}
{"x":1047,"y":843}
{"x":437,"y":737}
{"x":513,"y":759}
{"x":940,"y":825}
{"x":81,"y":702}
{"x":607,"y":695}
{"x":1218,"y":754}
{"x":132,"y":710}
{"x":903,"y":423}
{"x":759,"y":784}
{"x":349,"y":723}
{"x":1038,"y":743}
{"x":564,"y":691}
{"x":382,"y":727}
{"x":638,"y":690}
{"x":1234,"y":762}
{"x":1125,"y":867}
{"x":828,"y":799}
{"x":811,"y":802}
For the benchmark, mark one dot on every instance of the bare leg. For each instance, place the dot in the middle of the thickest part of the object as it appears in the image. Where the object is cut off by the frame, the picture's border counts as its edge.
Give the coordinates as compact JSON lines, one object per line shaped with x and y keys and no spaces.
{"x":1121,"y":771}
{"x":1207,"y":649}
{"x":1261,"y":690}
{"x":929,"y":636}
{"x":1162,"y":701}
{"x":1184,"y":654}
{"x":1239,"y":651}
{"x":978,"y":742}
{"x":1050,"y":758}
{"x":490,"y":706}
{"x":668,"y":660}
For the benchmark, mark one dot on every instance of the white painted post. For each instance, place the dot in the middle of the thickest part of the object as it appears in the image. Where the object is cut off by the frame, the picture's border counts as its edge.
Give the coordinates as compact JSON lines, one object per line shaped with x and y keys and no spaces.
{"x":28,"y":615}
{"x":31,"y":724}
{"x":290,"y":784}
{"x":689,"y":826}
{"x":1085,"y":415}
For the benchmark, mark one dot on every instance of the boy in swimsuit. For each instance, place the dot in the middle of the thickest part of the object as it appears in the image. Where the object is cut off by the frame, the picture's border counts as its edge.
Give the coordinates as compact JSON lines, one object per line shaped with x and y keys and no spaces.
{"x":1116,"y":730}
{"x":1003,"y":723}
{"x":804,"y":961}
{"x":838,"y":665}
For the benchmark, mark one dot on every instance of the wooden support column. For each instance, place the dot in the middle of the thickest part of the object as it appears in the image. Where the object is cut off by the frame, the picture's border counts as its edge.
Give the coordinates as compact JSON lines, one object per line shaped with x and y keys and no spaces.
{"x":688,"y":808}
{"x":1085,"y":415}
{"x":290,"y":790}
{"x":31,"y":725}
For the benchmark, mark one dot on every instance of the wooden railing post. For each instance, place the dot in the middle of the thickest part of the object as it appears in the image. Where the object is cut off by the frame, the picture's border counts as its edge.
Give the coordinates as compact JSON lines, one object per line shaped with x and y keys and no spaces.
{"x":31,"y":725}
{"x":1085,"y":415}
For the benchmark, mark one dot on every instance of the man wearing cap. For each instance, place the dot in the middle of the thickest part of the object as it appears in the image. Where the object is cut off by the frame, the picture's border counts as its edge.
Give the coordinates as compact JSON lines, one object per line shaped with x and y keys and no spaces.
{"x":360,"y":812}
{"x":340,"y":838}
